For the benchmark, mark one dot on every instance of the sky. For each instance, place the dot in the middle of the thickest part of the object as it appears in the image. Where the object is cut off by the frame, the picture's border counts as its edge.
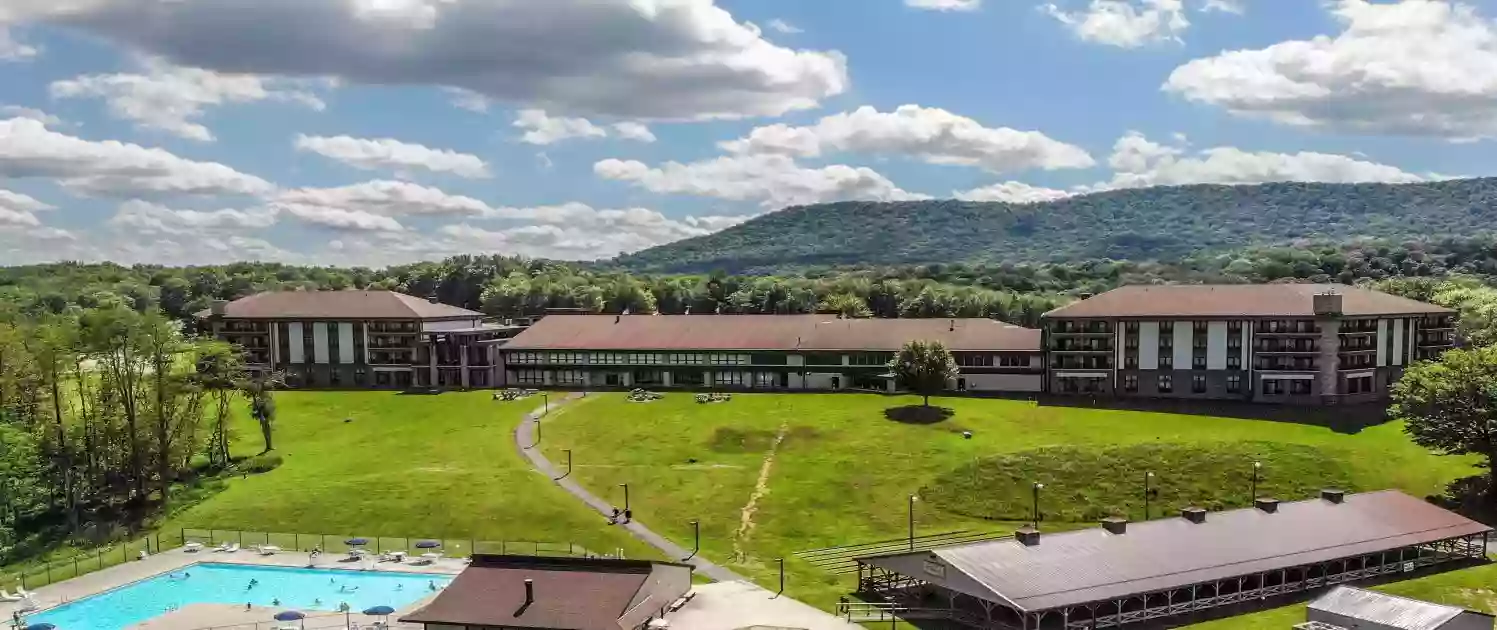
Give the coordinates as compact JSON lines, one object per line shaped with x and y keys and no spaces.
{"x":378,"y":132}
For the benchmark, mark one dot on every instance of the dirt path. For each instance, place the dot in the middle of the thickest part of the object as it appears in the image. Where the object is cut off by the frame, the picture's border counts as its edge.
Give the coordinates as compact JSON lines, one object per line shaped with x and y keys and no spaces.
{"x":761,"y":488}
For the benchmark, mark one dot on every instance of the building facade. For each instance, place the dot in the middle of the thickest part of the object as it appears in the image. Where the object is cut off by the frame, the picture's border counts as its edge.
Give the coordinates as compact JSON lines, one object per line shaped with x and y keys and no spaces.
{"x":358,"y":339}
{"x":770,"y":352}
{"x":1288,"y":343}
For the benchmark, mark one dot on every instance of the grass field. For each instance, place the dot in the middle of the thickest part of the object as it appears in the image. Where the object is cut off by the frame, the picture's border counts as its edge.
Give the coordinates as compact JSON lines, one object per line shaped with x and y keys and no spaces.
{"x":403,"y":465}
{"x":841,"y":472}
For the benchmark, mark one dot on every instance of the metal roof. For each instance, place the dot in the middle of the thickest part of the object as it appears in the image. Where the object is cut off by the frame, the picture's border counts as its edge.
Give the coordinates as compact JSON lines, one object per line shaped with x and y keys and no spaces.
{"x":1071,"y":568}
{"x":767,"y":332}
{"x":1385,"y":609}
{"x":354,"y":305}
{"x":1239,"y":300}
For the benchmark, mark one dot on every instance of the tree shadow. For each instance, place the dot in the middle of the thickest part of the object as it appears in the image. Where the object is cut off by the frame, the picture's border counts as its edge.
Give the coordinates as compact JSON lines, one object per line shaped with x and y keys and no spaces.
{"x":1347,"y":419}
{"x":1467,"y":496}
{"x":918,"y":414}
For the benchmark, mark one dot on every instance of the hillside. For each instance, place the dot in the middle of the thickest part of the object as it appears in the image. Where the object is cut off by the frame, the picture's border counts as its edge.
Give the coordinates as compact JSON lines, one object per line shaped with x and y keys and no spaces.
{"x":1139,"y":224}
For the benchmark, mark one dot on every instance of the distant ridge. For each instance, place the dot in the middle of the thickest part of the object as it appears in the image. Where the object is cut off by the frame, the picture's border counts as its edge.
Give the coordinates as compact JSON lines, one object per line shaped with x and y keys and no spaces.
{"x":1137,"y":224}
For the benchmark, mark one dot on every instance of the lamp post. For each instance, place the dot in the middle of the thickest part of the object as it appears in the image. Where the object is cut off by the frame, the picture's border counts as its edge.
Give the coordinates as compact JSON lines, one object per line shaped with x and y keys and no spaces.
{"x":545,"y":405}
{"x":696,"y":536}
{"x":625,"y":486}
{"x":1148,"y":476}
{"x":1037,"y":487}
{"x":1256,"y":467}
{"x":913,"y":499}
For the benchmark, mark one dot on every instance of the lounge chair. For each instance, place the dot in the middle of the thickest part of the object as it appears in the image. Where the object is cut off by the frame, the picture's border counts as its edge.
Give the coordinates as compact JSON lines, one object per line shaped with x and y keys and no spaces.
{"x":223,"y":546}
{"x":269,"y":550}
{"x":5,"y":596}
{"x":234,"y":548}
{"x":394,"y":556}
{"x":431,"y":557}
{"x":193,"y":546}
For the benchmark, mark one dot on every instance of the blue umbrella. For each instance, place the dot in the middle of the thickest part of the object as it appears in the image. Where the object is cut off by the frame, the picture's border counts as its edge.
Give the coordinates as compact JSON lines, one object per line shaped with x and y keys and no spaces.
{"x":41,"y":626}
{"x":289,"y":615}
{"x":428,"y":544}
{"x":354,"y":542}
{"x":380,"y":611}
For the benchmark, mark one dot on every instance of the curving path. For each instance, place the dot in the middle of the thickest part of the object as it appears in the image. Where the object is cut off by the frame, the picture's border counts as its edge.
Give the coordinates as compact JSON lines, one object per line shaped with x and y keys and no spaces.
{"x":525,"y":437}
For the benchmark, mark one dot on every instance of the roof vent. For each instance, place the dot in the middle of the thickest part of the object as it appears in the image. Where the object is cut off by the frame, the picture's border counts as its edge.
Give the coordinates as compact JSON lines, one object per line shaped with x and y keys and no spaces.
{"x":1028,"y":535}
{"x":618,"y":318}
{"x":953,"y":325}
{"x":1267,"y":504}
{"x":529,"y":591}
{"x":1328,"y":303}
{"x":1193,"y":514}
{"x":217,"y":307}
{"x":1115,"y":524}
{"x":1333,"y":495}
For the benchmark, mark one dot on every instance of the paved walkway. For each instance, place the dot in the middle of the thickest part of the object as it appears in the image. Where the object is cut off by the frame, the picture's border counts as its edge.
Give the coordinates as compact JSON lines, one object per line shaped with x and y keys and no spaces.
{"x":525,"y":437}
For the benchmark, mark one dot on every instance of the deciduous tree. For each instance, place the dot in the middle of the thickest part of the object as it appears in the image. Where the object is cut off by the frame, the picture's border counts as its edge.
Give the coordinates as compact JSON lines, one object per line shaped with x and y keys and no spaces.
{"x":924,"y":367}
{"x":1450,"y":405}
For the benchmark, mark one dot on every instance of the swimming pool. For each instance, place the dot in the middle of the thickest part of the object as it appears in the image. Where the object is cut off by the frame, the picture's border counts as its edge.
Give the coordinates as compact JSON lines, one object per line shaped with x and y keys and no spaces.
{"x":307,"y":590}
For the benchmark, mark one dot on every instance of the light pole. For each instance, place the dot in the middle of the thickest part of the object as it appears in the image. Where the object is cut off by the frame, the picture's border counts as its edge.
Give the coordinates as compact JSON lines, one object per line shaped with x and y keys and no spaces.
{"x":696,"y":536}
{"x":1037,"y":487}
{"x":782,"y":578}
{"x":625,"y":486}
{"x":913,"y":499}
{"x":1256,"y":467}
{"x":1148,"y":476}
{"x":545,"y":405}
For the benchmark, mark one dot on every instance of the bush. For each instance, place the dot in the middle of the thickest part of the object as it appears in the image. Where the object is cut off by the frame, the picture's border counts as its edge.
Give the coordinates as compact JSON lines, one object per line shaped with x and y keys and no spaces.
{"x":261,"y":463}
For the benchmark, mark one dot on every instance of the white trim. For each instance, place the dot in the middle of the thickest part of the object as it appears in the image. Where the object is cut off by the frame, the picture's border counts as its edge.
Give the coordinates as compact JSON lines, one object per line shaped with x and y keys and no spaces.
{"x":390,"y":369}
{"x":1361,"y":374}
{"x":1060,"y":374}
{"x":1282,"y":376}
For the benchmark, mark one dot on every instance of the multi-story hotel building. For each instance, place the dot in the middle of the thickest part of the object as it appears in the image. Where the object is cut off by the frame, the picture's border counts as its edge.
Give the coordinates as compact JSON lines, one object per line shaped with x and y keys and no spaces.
{"x":821,"y":352}
{"x":1292,"y":343}
{"x":359,"y":339}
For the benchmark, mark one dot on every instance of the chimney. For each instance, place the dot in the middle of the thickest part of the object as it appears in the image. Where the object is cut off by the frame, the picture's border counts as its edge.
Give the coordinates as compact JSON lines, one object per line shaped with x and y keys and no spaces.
{"x":1194,"y":514}
{"x":529,"y":591}
{"x":1267,"y":504}
{"x":1327,"y":304}
{"x":1333,"y":495}
{"x":432,"y":298}
{"x":1115,"y":524}
{"x":217,"y":307}
{"x":1028,"y":535}
{"x":618,"y":318}
{"x":953,"y":325}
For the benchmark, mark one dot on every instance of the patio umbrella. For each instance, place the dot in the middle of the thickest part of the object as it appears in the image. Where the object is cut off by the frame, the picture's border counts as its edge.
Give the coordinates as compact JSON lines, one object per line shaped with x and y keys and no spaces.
{"x":291,"y":615}
{"x":356,"y":542}
{"x":381,"y":611}
{"x":41,"y":626}
{"x":428,"y":544}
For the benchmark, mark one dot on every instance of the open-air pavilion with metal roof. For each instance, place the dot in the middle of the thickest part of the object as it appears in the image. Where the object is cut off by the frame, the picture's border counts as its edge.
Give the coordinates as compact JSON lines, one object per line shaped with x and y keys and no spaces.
{"x":1126,"y":573}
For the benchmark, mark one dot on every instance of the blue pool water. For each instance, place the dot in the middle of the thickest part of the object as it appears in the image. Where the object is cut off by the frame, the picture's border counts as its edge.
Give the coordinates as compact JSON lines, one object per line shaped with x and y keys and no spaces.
{"x":307,"y":590}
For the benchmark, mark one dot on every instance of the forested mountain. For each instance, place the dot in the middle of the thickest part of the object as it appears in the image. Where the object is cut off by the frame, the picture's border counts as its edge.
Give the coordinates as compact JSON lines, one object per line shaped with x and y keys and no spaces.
{"x":1163,"y":223}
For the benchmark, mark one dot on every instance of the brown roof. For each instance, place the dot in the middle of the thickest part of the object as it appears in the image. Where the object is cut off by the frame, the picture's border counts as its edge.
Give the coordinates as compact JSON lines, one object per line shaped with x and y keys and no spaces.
{"x":1072,"y":568}
{"x":1238,"y":300}
{"x":570,"y":593}
{"x":338,"y":305}
{"x":766,"y":332}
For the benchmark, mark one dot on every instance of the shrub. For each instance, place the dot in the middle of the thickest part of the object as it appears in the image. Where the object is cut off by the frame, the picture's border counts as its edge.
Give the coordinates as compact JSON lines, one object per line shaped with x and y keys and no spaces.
{"x":261,"y":463}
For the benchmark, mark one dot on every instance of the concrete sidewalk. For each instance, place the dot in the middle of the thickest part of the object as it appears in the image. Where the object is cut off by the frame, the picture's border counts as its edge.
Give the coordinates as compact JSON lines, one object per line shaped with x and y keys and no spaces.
{"x":525,"y":438}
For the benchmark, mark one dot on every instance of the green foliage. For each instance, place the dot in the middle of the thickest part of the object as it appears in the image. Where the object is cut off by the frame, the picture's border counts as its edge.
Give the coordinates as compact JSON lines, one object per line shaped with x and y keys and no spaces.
{"x":1161,"y":223}
{"x":846,"y":305}
{"x":1450,"y":405}
{"x":924,"y":367}
{"x":1086,"y":484}
{"x":262,"y":463}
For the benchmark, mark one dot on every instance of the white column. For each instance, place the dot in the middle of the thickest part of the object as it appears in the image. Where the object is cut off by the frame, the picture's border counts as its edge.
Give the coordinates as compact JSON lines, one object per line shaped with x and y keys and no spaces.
{"x":345,"y":343}
{"x":295,"y":336}
{"x":1184,"y":336}
{"x":319,"y":342}
{"x":1247,"y":345}
{"x":1382,"y":343}
{"x":1397,"y":332}
{"x":275,"y":343}
{"x":364,"y":329}
{"x":1148,"y":345}
{"x":1216,"y":345}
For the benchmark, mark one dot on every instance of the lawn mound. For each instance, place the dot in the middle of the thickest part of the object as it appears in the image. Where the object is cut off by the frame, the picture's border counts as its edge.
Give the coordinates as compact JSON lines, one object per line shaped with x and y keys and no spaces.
{"x":1085,"y":484}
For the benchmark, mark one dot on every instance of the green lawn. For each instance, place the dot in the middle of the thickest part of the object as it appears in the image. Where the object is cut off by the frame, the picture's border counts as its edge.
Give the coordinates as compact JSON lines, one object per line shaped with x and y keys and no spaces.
{"x":843,"y":472}
{"x":404,"y":465}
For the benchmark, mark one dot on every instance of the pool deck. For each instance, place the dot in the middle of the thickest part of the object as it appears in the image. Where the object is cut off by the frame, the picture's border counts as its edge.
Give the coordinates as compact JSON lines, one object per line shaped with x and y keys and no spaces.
{"x":207,"y":615}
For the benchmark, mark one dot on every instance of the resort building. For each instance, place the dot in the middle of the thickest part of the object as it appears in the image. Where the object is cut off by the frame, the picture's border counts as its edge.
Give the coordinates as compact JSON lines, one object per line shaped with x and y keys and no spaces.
{"x":1352,"y":608}
{"x":543,"y":593}
{"x":356,"y":339}
{"x":1173,"y":568}
{"x":1291,"y":343}
{"x":794,"y":352}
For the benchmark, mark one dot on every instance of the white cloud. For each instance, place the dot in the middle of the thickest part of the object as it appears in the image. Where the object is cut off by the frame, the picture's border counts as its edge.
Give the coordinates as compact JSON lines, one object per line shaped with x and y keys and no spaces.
{"x":384,"y":198}
{"x":774,"y":180}
{"x":634,"y":131}
{"x":1124,"y":23}
{"x":1236,"y":7}
{"x":17,"y":111}
{"x":541,"y":128}
{"x":339,"y":218}
{"x":372,"y":154}
{"x":577,"y":231}
{"x":1416,"y":67}
{"x":1012,"y":192}
{"x":171,"y":99}
{"x":12,"y":49}
{"x":113,"y":169}
{"x":1139,"y":162}
{"x":635,"y":59}
{"x":781,"y":26}
{"x":469,"y":100}
{"x":930,"y":134}
{"x":944,"y":5}
{"x":17,"y":209}
{"x":152,"y":218}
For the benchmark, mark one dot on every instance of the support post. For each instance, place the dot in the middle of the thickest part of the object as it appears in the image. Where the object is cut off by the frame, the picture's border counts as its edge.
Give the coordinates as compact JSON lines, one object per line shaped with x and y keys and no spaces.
{"x":696,"y":536}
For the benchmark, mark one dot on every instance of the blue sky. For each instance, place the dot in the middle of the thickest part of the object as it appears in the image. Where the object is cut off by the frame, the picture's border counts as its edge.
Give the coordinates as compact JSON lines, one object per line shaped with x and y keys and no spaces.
{"x":383,"y":131}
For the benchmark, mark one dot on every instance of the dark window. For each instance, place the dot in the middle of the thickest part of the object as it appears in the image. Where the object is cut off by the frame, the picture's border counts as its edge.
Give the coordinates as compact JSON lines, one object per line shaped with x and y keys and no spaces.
{"x":1299,"y":388}
{"x":1198,"y":383}
{"x":360,"y":377}
{"x":822,"y":358}
{"x":1234,"y":361}
{"x":1199,"y":327}
{"x":1198,"y":361}
{"x":334,"y":376}
{"x":332,"y":342}
{"x":1234,"y":328}
{"x":1130,"y":327}
{"x":769,"y":359}
{"x":1013,"y":360}
{"x":382,"y":378}
{"x":1166,"y":362}
{"x":1234,"y":384}
{"x":1166,"y":328}
{"x":1130,"y":383}
{"x":1166,"y":384}
{"x":1273,"y":386}
{"x":972,"y":359}
{"x":1130,"y":361}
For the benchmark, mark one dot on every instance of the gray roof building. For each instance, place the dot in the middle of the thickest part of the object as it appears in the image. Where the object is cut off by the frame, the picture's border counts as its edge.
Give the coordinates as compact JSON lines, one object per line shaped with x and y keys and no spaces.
{"x":1353,"y":608}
